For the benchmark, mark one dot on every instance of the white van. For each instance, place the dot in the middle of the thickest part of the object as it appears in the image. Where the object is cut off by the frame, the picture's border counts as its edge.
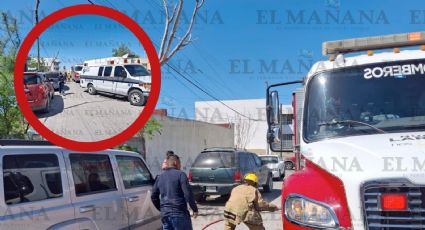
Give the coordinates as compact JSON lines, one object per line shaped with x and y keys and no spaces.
{"x":48,"y":187}
{"x":118,"y":76}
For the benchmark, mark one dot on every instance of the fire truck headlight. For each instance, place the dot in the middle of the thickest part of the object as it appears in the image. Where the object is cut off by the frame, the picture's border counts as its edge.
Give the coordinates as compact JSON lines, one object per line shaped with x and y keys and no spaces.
{"x":310,"y":213}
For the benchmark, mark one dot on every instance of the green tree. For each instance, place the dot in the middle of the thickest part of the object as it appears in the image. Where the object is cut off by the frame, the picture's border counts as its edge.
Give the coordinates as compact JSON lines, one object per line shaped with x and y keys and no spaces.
{"x":151,"y":128}
{"x":12,"y":123}
{"x":122,"y":50}
{"x":127,"y":148}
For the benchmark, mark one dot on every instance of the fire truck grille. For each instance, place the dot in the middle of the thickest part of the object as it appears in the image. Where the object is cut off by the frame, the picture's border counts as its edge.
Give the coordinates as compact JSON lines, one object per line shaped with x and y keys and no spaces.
{"x":378,"y":219}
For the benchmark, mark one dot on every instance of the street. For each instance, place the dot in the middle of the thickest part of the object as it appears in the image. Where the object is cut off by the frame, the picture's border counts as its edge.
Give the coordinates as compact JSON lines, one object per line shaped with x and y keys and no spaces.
{"x":212,"y":210}
{"x":83,"y":117}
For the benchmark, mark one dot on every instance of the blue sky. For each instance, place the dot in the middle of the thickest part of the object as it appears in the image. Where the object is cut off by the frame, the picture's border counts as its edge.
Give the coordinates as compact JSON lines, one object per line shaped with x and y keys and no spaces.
{"x":239,"y":45}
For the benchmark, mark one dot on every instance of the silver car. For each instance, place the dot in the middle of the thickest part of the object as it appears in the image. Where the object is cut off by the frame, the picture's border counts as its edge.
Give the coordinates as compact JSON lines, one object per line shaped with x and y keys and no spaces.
{"x":47,"y":187}
{"x":275,"y":164}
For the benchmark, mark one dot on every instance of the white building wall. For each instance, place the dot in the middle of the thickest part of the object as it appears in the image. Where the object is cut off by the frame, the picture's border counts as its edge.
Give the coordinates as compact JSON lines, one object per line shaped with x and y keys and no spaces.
{"x":187,"y":138}
{"x":52,"y":64}
{"x":216,"y":112}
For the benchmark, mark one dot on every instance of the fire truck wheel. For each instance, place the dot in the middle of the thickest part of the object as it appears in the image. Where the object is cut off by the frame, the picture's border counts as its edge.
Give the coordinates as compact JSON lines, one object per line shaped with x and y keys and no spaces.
{"x":136,"y":97}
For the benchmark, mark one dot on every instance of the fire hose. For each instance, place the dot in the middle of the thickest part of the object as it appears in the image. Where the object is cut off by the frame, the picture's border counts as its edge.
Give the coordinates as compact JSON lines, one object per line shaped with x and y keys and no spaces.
{"x":219,"y":220}
{"x":211,"y":223}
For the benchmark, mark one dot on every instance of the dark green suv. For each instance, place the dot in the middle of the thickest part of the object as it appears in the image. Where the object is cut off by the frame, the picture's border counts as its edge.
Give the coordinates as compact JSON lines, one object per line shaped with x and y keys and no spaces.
{"x":216,"y":171}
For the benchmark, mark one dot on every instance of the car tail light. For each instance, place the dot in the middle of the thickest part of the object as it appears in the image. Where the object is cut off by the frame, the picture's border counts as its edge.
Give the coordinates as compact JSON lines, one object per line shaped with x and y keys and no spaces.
{"x":393,"y":202}
{"x":190,"y":176}
{"x":41,"y":88}
{"x":237,"y":176}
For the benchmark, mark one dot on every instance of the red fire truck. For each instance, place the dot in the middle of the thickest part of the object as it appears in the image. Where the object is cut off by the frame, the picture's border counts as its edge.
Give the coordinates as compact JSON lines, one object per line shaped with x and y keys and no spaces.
{"x":359,"y":128}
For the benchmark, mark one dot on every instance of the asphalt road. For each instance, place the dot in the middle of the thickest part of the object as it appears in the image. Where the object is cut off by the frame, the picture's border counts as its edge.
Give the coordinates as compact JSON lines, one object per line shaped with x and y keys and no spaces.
{"x":83,"y":117}
{"x":212,"y":210}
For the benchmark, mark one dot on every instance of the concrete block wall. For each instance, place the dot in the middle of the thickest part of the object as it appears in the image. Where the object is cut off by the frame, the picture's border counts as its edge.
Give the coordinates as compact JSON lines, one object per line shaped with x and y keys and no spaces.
{"x":187,"y":138}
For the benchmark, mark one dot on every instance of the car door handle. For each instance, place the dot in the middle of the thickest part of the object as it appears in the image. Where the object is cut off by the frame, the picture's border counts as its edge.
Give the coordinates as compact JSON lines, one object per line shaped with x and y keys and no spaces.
{"x":88,"y":208}
{"x":133,"y":198}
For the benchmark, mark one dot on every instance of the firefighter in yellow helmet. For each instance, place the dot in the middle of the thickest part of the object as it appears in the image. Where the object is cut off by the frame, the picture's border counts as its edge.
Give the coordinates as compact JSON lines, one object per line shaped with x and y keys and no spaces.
{"x":245,"y":204}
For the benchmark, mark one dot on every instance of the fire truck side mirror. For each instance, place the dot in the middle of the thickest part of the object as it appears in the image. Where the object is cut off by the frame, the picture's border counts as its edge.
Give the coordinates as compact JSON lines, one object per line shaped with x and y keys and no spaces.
{"x":276,"y":128}
{"x":273,"y":108}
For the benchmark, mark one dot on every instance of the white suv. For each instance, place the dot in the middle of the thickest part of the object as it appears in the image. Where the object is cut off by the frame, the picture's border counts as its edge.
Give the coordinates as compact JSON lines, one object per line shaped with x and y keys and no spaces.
{"x":48,"y":187}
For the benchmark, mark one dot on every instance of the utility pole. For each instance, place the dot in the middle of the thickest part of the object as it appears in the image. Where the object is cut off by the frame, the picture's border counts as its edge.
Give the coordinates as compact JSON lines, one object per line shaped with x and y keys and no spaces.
{"x":37,"y":3}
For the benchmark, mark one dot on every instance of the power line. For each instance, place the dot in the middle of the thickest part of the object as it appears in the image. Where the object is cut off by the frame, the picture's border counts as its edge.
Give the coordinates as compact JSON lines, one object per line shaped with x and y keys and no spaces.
{"x":200,"y":87}
{"x":112,"y":5}
{"x":210,"y":95}
{"x":91,"y":2}
{"x":218,"y":83}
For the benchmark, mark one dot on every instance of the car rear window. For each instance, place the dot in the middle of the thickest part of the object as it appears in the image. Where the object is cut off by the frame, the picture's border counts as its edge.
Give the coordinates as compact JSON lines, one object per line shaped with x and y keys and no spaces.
{"x":269,"y":160}
{"x":31,"y":79}
{"x":215,"y":160}
{"x":31,"y":177}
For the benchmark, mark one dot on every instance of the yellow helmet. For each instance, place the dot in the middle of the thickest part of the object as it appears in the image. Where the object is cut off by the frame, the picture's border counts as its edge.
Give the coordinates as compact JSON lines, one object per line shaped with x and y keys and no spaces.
{"x":252,"y":177}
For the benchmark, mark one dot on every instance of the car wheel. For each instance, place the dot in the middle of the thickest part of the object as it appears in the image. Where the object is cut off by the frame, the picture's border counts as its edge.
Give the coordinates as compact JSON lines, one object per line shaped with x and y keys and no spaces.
{"x":268,"y":187}
{"x":289,"y":165}
{"x":136,"y":97}
{"x":200,"y":198}
{"x":47,"y":107}
{"x":91,"y":90}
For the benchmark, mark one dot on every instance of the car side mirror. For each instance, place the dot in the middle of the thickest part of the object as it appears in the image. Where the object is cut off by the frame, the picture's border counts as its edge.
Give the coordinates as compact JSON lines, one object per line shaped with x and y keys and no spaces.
{"x":123,"y":74}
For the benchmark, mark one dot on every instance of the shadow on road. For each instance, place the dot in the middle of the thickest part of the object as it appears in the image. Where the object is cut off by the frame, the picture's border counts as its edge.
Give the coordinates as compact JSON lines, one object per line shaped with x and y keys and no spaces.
{"x":56,"y":107}
{"x":65,"y":88}
{"x":275,"y":193}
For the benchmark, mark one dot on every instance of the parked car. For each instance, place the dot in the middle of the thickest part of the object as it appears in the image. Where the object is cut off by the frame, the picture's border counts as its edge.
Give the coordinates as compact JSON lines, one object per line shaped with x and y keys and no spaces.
{"x":76,"y":72}
{"x":49,"y":85}
{"x":290,"y":162}
{"x":216,"y":171}
{"x":275,"y":164}
{"x":37,"y":91}
{"x":48,"y":187}
{"x":53,"y":78}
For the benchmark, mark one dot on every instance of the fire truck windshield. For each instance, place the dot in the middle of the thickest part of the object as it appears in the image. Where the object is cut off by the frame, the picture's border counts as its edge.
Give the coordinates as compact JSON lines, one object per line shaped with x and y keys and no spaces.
{"x":370,"y":99}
